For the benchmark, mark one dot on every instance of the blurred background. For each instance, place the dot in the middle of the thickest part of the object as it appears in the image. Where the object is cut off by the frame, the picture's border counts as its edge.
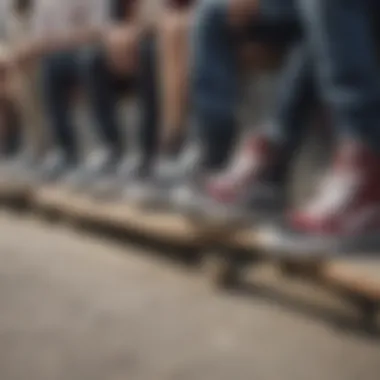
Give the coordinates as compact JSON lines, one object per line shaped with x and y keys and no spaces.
{"x":107,"y":98}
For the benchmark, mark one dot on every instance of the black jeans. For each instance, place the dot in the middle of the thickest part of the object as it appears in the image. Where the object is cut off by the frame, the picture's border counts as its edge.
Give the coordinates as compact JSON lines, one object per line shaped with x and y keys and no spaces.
{"x":12,"y":139}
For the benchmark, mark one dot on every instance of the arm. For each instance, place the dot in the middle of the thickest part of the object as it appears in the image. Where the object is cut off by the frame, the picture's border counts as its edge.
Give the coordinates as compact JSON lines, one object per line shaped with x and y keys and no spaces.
{"x":174,"y":60}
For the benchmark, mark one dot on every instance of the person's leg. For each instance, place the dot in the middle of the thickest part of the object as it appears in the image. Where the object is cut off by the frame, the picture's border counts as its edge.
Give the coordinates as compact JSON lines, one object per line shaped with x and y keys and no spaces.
{"x":340,"y":37}
{"x":215,"y":71}
{"x":145,"y":84}
{"x":148,"y":88}
{"x":214,"y":81}
{"x":174,"y":70}
{"x":215,"y":85}
{"x":268,"y":153}
{"x":58,"y":76}
{"x":103,"y":98}
{"x":33,"y":121}
{"x":257,"y":177}
{"x":10,"y":129}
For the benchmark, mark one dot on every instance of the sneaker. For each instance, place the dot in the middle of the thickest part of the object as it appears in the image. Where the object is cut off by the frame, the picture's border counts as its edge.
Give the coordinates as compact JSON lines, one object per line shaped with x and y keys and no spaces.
{"x":98,"y":164}
{"x":346,"y":205}
{"x":244,"y":191}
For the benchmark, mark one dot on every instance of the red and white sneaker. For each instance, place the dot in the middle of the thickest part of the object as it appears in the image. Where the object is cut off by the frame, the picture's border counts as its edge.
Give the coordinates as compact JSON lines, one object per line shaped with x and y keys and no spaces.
{"x":245,"y":172}
{"x":243,"y":193}
{"x":347,"y":204}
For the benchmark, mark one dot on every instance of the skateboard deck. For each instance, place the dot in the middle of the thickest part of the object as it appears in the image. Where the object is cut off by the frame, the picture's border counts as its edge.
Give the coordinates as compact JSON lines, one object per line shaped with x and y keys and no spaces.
{"x":120,"y":215}
{"x":47,"y":198}
{"x":15,"y":192}
{"x":354,"y":277}
{"x":226,"y":253}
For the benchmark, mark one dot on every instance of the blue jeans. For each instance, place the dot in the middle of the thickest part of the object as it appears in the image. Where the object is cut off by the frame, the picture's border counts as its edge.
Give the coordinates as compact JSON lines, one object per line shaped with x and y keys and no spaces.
{"x":215,"y":76}
{"x":341,"y":40}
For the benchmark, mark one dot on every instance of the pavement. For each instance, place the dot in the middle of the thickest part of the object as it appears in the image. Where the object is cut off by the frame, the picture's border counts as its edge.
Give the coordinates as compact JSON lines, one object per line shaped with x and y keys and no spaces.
{"x":79,"y":307}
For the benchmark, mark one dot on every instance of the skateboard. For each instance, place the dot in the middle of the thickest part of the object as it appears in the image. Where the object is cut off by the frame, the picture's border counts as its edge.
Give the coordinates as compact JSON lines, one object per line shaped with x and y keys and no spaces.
{"x":120,"y":215}
{"x":15,"y":192}
{"x":223,"y":254}
{"x":356,"y":280}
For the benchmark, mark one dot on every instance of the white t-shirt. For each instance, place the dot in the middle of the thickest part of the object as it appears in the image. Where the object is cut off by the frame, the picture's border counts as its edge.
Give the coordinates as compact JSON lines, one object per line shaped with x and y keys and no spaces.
{"x":57,"y":17}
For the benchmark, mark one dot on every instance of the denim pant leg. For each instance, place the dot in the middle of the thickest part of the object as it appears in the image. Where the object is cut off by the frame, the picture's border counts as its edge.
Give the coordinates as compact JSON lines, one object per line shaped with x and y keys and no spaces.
{"x":297,"y":97}
{"x":59,"y":73}
{"x":148,"y":97}
{"x":215,"y":71}
{"x":296,"y":100}
{"x":340,"y":36}
{"x":214,"y":81}
{"x":102,"y":97}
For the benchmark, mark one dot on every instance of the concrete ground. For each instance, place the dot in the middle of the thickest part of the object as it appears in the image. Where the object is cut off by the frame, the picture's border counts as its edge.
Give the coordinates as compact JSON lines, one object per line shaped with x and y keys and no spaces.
{"x":75,"y":307}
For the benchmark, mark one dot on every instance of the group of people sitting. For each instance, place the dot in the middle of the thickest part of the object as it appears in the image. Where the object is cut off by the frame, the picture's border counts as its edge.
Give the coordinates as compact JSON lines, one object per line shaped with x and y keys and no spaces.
{"x":182,"y":60}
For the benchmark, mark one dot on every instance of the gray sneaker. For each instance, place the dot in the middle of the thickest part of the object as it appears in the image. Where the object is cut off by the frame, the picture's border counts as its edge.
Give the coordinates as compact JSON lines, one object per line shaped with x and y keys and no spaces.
{"x":97,"y":165}
{"x":112,"y":185}
{"x":20,"y":168}
{"x":262,"y":203}
{"x":53,"y":168}
{"x":170,"y":172}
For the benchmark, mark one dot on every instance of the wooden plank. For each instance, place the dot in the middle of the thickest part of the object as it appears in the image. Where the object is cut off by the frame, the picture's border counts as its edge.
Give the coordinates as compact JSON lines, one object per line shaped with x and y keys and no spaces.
{"x":360,"y":277}
{"x":13,"y":189}
{"x":46,"y":197}
{"x":15,"y":194}
{"x":158,"y":225}
{"x":355,"y":277}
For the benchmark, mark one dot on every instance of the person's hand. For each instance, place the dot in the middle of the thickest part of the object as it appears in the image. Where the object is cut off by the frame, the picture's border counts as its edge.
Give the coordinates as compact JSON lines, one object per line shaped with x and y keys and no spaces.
{"x":121,"y":45}
{"x":240,"y":11}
